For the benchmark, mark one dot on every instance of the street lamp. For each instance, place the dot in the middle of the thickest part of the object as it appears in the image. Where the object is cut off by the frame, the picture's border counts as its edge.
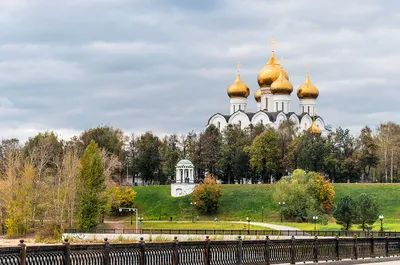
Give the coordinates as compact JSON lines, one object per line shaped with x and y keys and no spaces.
{"x":141,"y":223}
{"x":131,"y":210}
{"x":381,"y":218}
{"x":262,"y":214}
{"x":248,"y":225}
{"x":315,"y":218}
{"x":194,"y":205}
{"x":281,"y":204}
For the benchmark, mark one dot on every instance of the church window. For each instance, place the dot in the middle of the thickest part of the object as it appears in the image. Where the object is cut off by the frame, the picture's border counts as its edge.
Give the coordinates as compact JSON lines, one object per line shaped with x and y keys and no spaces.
{"x":219,"y":125}
{"x":283,"y":106}
{"x":240,"y":123}
{"x":308,"y":109}
{"x":303,"y":109}
{"x":266,"y":104}
{"x":261,"y":121}
{"x":276,"y":106}
{"x":234,"y":108}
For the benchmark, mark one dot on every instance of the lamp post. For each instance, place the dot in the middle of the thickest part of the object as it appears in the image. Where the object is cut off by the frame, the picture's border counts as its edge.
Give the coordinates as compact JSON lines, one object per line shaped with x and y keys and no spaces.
{"x":315,"y":218}
{"x":131,"y":210}
{"x":281,"y":204}
{"x":381,"y":218}
{"x":193,"y":205}
{"x":248,"y":225}
{"x":140,"y":223}
{"x":262,"y":214}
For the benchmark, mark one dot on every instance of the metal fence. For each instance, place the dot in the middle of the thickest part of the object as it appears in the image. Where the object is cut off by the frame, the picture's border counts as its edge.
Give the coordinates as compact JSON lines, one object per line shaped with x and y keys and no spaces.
{"x":235,"y":232}
{"x":203,"y":252}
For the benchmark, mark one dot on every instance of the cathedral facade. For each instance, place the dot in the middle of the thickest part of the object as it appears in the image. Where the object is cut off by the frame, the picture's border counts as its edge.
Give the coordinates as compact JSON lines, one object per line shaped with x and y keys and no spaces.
{"x":273,"y":102}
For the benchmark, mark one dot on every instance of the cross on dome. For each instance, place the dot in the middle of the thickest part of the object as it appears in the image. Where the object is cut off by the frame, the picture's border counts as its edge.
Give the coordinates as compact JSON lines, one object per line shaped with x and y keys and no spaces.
{"x":273,"y":42}
{"x":307,"y":69}
{"x":238,"y":66}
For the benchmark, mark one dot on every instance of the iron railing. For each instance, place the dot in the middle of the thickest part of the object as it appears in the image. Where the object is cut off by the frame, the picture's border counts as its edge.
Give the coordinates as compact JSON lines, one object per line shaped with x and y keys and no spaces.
{"x":203,"y":252}
{"x":234,"y":232}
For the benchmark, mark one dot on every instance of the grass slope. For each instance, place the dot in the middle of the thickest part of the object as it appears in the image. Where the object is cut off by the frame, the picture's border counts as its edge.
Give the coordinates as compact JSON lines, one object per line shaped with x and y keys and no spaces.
{"x":241,"y":201}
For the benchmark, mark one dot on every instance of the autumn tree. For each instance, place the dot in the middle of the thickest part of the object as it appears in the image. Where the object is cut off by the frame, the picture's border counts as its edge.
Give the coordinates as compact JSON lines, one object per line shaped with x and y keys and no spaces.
{"x":91,"y":188}
{"x":120,"y":197}
{"x":315,"y":191}
{"x":207,"y":195}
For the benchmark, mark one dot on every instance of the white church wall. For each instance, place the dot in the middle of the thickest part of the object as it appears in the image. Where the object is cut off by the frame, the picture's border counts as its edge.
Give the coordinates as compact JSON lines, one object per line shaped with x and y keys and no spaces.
{"x":260,"y":117}
{"x":182,"y":189}
{"x":305,"y":122}
{"x":240,"y":118}
{"x":219,"y":122}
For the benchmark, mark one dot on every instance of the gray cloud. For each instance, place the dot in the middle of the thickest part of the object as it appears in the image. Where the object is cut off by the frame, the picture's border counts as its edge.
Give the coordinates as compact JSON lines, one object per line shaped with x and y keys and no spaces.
{"x":165,"y":65}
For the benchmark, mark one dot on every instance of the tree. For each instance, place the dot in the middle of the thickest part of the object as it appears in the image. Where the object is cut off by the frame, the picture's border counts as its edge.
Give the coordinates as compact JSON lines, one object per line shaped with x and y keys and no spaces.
{"x":310,"y":152}
{"x":265,"y":154}
{"x":211,"y":148}
{"x":315,"y":191}
{"x":106,"y":137}
{"x":346,"y":212}
{"x":368,"y":210}
{"x":147,"y":158}
{"x":367,"y":151}
{"x":169,"y":155}
{"x":207,"y":195}
{"x":120,"y":197}
{"x":91,"y":187}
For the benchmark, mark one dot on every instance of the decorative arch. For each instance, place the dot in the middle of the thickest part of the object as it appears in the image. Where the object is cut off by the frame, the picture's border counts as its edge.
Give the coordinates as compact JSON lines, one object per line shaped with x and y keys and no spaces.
{"x":281,"y":117}
{"x":241,"y":118}
{"x":218,"y":121}
{"x":320,"y":123}
{"x":260,"y":117}
{"x":306,"y":122}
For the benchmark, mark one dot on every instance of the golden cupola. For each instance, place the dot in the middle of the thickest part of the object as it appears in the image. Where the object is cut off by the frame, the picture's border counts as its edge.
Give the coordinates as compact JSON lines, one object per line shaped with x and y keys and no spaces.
{"x":257,"y":95}
{"x":270,"y":72}
{"x":307,"y":90}
{"x":314,"y":129}
{"x":238,"y":89}
{"x":281,"y":85}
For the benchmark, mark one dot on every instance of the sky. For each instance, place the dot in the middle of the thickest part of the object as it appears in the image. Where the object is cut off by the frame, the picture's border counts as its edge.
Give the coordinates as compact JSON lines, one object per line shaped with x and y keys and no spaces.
{"x":164,"y":65}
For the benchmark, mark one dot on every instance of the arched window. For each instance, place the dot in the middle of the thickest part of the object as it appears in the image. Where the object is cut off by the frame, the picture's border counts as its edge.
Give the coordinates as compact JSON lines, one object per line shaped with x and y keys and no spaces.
{"x":261,"y":121}
{"x":283,"y":104}
{"x":308,"y":109}
{"x":303,"y":109}
{"x":266,"y":104}
{"x":219,"y":125}
{"x":240,"y":123}
{"x":234,"y":108}
{"x":276,"y":106}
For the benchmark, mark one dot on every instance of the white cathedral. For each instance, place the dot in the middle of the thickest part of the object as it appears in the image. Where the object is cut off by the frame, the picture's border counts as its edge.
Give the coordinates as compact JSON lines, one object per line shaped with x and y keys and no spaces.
{"x":273,"y":101}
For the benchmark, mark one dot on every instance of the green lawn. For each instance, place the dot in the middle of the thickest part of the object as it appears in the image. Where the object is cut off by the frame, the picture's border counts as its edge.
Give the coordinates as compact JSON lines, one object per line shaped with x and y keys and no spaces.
{"x":198,"y":225}
{"x":256,"y":202}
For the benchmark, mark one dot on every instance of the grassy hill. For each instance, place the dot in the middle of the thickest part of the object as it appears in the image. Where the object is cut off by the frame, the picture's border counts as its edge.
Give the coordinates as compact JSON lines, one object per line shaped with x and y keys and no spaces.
{"x":241,"y":201}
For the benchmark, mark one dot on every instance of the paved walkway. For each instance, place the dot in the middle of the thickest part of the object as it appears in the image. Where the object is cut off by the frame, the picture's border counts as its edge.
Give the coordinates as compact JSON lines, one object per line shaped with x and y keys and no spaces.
{"x":272,"y":226}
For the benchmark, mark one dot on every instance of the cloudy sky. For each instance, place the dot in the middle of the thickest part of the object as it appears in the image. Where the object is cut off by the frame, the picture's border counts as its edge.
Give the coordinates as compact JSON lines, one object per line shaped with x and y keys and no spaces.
{"x":164,"y":65}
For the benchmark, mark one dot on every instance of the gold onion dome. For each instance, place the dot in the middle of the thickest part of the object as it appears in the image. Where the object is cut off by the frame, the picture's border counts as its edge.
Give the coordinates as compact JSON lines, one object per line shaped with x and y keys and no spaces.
{"x":314,"y":129}
{"x":238,"y":89}
{"x":257,"y":95}
{"x":281,"y":85}
{"x":270,"y":72}
{"x":308,"y":89}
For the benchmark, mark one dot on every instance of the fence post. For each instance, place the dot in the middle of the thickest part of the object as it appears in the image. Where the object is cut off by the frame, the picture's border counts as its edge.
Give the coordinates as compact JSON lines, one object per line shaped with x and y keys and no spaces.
{"x":372,"y":246}
{"x":207,"y":253}
{"x":337,"y":248}
{"x":106,"y":256}
{"x":267,"y":250}
{"x":355,"y":247}
{"x":22,"y":253}
{"x":67,"y":252}
{"x":316,"y":245}
{"x":175,"y":258}
{"x":239,"y":251}
{"x":142,"y":252}
{"x":387,"y":246}
{"x":292,"y":251}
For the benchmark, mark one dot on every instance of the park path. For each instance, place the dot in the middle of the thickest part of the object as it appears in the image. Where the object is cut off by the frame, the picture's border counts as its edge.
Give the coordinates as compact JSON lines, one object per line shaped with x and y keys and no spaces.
{"x":272,"y":226}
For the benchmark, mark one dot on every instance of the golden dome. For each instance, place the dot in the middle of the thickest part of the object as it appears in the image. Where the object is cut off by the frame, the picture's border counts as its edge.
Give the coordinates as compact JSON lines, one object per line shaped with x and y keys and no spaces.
{"x":281,"y":85}
{"x":257,"y":95}
{"x":308,"y":89}
{"x":238,"y":89}
{"x":314,"y":129}
{"x":270,"y":72}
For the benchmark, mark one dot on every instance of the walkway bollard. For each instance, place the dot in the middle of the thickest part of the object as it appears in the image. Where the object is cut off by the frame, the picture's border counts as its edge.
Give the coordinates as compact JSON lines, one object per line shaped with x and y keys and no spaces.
{"x":22,"y":253}
{"x":67,"y":252}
